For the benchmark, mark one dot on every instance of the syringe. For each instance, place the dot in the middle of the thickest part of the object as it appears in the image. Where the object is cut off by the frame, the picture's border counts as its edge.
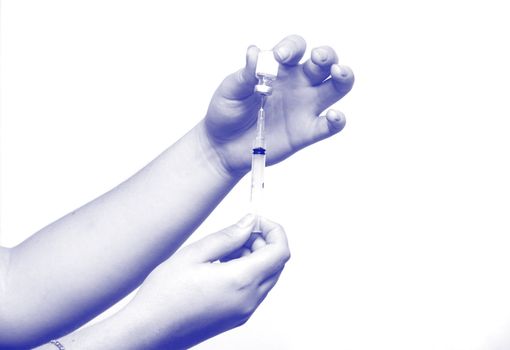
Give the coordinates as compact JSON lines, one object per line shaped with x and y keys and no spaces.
{"x":266,"y":72}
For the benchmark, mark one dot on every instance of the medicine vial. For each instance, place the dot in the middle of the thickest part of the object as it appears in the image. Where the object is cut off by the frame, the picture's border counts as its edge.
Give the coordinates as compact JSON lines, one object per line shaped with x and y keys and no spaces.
{"x":266,"y":72}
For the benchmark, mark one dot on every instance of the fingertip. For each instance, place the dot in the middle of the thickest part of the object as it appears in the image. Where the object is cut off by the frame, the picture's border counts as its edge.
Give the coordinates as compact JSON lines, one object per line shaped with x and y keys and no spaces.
{"x":248,"y":72}
{"x":324,"y":56}
{"x":223,"y":243}
{"x":298,"y":40}
{"x":258,"y":243}
{"x":336,"y":120}
{"x":251,"y":56}
{"x":333,"y":89}
{"x":268,"y":225}
{"x":319,"y":56}
{"x":341,"y":73}
{"x":246,"y":221}
{"x":282,"y":53}
{"x":245,"y":252}
{"x":272,"y":231}
{"x":290,"y":50}
{"x":241,"y":230}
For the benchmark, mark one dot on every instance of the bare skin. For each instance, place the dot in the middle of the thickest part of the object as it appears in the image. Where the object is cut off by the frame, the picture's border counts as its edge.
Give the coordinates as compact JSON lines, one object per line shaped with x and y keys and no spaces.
{"x":99,"y":253}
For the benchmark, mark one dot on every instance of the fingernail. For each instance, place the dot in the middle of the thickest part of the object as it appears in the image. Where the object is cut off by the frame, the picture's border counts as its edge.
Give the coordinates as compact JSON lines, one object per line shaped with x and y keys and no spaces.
{"x":321,"y":54}
{"x":283,"y":52}
{"x":342,"y":71}
{"x":333,"y":115}
{"x":246,"y":221}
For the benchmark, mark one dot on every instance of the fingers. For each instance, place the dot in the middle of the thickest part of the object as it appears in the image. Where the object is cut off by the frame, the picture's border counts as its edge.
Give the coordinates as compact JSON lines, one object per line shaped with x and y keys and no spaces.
{"x":254,"y":242}
{"x":223,"y":243}
{"x":318,"y":67}
{"x":290,"y":50}
{"x":325,"y":126}
{"x":268,"y":259}
{"x":236,"y":254}
{"x":334,"y":88}
{"x":273,"y":233}
{"x":240,"y":84}
{"x":268,"y":284}
{"x":257,"y":243}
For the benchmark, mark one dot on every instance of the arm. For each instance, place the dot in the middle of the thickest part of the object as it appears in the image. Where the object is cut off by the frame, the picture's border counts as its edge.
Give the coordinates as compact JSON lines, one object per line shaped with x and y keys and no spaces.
{"x":100,"y":252}
{"x":187,"y":299}
{"x":73,"y":269}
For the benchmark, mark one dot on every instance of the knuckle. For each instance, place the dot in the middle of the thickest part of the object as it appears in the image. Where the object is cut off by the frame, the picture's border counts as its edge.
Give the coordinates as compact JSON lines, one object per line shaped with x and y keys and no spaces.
{"x":185,"y":254}
{"x":246,"y":309}
{"x":240,"y":281}
{"x":242,"y":322}
{"x":243,"y":304}
{"x":278,"y":227}
{"x":229,"y":233}
{"x":240,"y":76}
{"x":286,"y":256}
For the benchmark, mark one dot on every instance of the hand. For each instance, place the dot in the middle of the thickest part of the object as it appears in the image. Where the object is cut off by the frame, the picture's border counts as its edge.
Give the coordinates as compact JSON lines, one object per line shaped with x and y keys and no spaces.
{"x":301,"y":93}
{"x":193,"y":296}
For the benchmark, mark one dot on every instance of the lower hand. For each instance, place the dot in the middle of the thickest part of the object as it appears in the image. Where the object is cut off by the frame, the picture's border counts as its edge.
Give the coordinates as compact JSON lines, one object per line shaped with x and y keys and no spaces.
{"x":193,"y":296}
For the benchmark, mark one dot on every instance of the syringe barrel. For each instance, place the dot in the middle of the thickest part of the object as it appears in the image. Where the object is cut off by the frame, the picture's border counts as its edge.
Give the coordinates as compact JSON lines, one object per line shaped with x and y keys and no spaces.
{"x":266,"y":72}
{"x":258,"y":163}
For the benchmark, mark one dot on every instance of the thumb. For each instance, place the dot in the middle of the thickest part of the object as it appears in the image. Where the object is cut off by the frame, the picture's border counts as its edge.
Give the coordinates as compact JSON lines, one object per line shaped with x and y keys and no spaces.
{"x":224,"y":242}
{"x":239,"y":85}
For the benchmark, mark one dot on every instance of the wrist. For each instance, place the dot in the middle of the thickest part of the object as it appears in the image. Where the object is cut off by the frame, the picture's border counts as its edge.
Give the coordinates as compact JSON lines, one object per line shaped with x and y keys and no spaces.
{"x":216,"y":158}
{"x":146,"y":326}
{"x":119,"y":331}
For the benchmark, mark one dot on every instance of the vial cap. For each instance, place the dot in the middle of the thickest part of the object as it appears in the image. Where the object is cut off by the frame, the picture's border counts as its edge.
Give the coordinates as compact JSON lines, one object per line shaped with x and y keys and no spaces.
{"x":263,"y":89}
{"x":267,"y":65}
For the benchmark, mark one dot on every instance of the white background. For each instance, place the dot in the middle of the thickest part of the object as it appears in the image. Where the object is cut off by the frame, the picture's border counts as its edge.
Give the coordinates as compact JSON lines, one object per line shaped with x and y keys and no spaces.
{"x":399,"y":226}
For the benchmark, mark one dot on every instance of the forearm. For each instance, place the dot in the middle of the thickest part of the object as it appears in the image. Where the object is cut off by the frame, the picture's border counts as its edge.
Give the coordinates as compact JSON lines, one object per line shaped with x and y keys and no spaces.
{"x":119,"y":331}
{"x":82,"y":263}
{"x":128,"y":329}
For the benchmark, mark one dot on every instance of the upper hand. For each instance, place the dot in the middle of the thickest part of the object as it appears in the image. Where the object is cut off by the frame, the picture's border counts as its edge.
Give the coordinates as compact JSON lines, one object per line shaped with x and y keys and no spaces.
{"x":301,"y":93}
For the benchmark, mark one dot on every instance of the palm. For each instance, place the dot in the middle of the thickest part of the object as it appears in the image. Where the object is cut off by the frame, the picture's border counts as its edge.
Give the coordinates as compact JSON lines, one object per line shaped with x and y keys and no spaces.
{"x":291,"y":113}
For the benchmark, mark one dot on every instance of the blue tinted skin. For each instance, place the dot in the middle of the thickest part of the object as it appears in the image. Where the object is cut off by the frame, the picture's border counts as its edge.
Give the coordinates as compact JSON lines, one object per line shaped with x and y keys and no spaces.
{"x":75,"y":268}
{"x":191,"y":299}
